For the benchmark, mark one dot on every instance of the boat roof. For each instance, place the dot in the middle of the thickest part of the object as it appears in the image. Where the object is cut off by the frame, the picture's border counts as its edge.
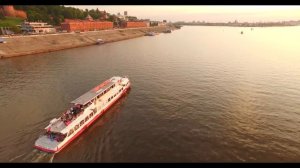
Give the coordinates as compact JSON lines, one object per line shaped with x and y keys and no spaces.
{"x":88,"y":96}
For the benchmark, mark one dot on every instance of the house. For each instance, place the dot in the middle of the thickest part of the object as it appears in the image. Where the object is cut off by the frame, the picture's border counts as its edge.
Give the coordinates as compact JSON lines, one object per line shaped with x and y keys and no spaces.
{"x":72,"y":25}
{"x":37,"y":28}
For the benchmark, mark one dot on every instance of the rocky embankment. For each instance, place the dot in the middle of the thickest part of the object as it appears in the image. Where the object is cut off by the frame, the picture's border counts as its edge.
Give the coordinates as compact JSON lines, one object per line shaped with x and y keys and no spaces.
{"x":25,"y":45}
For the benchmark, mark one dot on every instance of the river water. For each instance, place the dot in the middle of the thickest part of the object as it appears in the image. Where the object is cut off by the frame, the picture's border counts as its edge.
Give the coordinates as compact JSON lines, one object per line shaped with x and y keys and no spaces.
{"x":199,"y":94}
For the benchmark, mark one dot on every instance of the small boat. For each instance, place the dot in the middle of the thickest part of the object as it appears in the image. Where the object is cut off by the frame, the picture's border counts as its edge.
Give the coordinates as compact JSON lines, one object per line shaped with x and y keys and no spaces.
{"x":167,"y":31}
{"x":178,"y":26}
{"x":83,"y":112}
{"x":150,"y":34}
{"x":100,"y":41}
{"x":2,"y":40}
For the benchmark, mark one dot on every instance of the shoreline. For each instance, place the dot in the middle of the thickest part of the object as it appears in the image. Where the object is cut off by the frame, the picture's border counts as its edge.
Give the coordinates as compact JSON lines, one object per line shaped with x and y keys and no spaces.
{"x":27,"y":45}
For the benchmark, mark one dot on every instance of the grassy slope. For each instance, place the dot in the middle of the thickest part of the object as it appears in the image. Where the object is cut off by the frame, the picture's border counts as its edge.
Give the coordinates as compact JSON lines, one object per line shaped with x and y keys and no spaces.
{"x":10,"y":22}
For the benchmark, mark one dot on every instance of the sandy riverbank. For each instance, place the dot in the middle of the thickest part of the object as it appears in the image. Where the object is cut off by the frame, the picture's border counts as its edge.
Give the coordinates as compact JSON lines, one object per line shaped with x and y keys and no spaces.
{"x":25,"y":45}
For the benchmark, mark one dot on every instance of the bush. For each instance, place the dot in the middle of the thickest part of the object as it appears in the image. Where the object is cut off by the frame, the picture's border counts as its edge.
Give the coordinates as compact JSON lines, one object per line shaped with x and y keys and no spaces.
{"x":15,"y":29}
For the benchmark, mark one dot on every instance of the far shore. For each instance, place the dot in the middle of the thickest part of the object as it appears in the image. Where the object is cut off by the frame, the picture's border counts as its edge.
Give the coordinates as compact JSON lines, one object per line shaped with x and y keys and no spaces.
{"x":244,"y":24}
{"x":34,"y":44}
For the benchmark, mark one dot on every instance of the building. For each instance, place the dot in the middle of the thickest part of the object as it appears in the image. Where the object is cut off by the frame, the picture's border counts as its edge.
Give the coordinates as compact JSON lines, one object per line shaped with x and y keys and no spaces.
{"x":123,"y":17}
{"x":134,"y":24}
{"x":147,"y":24}
{"x":89,"y":24}
{"x":37,"y":27}
{"x":89,"y":18}
{"x":162,"y":24}
{"x":147,"y":21}
{"x":103,"y":15}
{"x":153,"y":23}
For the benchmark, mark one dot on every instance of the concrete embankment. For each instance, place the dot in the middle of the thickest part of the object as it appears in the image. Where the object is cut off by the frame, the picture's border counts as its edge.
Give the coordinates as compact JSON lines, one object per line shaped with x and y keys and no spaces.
{"x":25,"y":45}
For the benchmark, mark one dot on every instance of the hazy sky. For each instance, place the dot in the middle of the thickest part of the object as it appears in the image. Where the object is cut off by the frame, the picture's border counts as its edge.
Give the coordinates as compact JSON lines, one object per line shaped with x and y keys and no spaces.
{"x":203,"y":12}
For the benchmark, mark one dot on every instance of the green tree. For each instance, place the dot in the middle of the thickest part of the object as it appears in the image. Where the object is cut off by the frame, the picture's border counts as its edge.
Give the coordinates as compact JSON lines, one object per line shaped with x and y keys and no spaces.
{"x":55,"y":14}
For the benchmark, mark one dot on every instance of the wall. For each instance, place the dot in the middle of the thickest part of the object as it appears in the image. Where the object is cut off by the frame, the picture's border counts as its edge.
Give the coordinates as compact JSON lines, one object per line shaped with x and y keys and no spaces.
{"x":134,"y":24}
{"x":85,"y":25}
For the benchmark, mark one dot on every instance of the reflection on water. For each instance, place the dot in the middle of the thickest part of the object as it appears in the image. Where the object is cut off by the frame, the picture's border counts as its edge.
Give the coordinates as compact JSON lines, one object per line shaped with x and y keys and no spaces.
{"x":198,"y":94}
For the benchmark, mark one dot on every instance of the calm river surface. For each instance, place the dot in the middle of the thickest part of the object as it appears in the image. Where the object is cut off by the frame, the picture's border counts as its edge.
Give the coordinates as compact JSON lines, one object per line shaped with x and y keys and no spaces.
{"x":198,"y":94}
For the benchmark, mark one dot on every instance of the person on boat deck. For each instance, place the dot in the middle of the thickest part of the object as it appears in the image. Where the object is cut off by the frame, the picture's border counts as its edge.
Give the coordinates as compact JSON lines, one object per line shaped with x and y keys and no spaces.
{"x":75,"y":110}
{"x":69,"y":117}
{"x":52,"y":136}
{"x":64,"y":117}
{"x":72,"y":110}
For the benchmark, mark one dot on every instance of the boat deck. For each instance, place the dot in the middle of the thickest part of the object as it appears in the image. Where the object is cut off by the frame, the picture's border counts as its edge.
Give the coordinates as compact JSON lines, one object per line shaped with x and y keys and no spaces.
{"x":58,"y":126}
{"x":46,"y":142}
{"x":88,"y":96}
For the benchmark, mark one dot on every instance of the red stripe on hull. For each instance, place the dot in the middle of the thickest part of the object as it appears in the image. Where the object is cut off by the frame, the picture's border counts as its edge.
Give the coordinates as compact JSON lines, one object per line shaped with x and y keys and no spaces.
{"x":83,"y":128}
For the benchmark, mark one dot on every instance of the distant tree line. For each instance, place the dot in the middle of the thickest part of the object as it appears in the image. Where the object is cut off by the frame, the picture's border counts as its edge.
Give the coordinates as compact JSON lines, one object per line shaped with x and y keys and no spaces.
{"x":55,"y":14}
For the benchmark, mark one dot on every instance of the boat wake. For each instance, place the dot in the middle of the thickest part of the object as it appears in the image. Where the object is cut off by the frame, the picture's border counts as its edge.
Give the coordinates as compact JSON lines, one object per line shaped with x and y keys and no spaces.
{"x":34,"y":156}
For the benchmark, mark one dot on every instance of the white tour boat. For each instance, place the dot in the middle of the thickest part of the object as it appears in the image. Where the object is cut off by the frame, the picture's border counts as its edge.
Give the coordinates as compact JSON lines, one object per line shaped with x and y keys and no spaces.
{"x":82,"y":113}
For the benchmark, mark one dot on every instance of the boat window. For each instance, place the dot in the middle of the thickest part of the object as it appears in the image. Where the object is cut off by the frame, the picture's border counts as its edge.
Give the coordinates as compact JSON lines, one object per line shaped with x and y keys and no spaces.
{"x":81,"y":122}
{"x":86,"y":118}
{"x":76,"y":127}
{"x":91,"y":115}
{"x":109,"y":99}
{"x":95,"y":112}
{"x":71,"y":132}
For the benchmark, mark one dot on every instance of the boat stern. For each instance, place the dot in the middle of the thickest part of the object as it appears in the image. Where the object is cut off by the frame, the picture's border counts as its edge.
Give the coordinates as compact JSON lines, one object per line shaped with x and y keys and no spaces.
{"x":45,"y":144}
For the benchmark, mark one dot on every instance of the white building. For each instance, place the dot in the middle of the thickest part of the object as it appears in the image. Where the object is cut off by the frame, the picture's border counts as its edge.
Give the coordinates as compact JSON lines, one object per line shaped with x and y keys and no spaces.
{"x":123,"y":17}
{"x":162,"y":23}
{"x":37,"y":28}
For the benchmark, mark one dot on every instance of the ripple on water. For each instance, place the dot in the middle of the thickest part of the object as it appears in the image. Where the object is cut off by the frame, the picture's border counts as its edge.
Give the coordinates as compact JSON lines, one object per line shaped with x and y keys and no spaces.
{"x":189,"y":102}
